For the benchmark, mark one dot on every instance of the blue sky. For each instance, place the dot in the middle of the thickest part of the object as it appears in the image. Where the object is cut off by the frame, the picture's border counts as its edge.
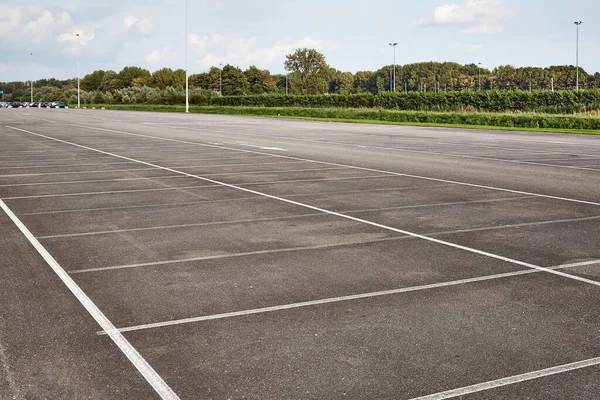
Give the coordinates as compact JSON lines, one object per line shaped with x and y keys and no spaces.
{"x":353,"y":34}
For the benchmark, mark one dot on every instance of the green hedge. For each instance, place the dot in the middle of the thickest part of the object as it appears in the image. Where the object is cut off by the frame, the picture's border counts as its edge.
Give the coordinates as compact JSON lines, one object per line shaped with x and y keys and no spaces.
{"x":559,"y":102}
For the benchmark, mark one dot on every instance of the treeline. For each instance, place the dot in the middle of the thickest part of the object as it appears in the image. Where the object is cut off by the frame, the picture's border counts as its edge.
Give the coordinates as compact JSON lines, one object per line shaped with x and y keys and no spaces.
{"x":308,"y":74}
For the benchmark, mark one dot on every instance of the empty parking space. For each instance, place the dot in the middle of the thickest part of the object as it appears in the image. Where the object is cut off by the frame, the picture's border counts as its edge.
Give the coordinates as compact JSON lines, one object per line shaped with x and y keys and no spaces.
{"x":250,"y":258}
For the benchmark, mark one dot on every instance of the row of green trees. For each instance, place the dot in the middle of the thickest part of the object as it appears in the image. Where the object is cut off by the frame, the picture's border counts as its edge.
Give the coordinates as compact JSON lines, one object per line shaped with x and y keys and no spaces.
{"x":309,"y":73}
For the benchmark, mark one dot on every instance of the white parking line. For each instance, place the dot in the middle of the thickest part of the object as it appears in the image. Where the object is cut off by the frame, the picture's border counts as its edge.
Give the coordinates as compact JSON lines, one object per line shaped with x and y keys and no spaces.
{"x":352,"y":166}
{"x":345,"y":216}
{"x":190,"y":203}
{"x":511,"y":380}
{"x":45,"y":196}
{"x":237,"y":255}
{"x":232,"y":222}
{"x":257,"y":197}
{"x":95,"y":181}
{"x":190,"y":187}
{"x":288,"y":249}
{"x":149,"y":374}
{"x":62,"y":165}
{"x":161,"y":227}
{"x":76,"y":172}
{"x":341,"y":298}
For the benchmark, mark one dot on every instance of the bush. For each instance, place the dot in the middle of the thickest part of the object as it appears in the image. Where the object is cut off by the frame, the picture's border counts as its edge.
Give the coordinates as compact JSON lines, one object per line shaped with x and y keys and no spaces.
{"x":492,"y":101}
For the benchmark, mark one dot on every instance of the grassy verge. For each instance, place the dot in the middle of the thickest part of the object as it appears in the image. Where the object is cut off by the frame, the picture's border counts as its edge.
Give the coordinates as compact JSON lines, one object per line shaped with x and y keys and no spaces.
{"x":494,"y":121}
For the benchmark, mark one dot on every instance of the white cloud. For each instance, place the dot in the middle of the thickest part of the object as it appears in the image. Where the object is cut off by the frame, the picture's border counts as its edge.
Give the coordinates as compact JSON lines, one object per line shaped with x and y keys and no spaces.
{"x":159,"y":58}
{"x":216,"y":49}
{"x":143,"y":26}
{"x":10,"y":19}
{"x":129,"y":21}
{"x":198,"y":41}
{"x":482,"y":16}
{"x":46,"y":24}
{"x":30,"y":24}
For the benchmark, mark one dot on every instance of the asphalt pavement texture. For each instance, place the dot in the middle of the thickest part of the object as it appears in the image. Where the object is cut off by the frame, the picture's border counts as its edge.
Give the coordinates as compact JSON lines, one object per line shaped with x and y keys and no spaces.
{"x":149,"y":255}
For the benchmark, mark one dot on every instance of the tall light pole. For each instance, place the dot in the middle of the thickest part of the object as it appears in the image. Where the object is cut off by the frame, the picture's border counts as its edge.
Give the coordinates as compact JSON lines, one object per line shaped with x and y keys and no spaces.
{"x":187,"y":92}
{"x":530,"y":81}
{"x":78,"y":87}
{"x":577,"y":23}
{"x":221,"y":79}
{"x":31,"y":54}
{"x":393,"y":80}
{"x":286,"y":84}
{"x":479,"y":76}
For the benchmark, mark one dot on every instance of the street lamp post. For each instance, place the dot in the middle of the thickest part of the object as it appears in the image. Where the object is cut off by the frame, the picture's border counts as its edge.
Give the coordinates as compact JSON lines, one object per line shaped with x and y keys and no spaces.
{"x":78,"y":87}
{"x":479,"y":76}
{"x":31,"y":54}
{"x":187,"y":79}
{"x":286,"y":84}
{"x":393,"y":80}
{"x":530,"y":81}
{"x":221,"y":79}
{"x":577,"y":23}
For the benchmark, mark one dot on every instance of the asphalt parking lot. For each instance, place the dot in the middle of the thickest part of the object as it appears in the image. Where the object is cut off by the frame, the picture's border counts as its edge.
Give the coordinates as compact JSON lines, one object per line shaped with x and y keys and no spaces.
{"x":151,"y":255}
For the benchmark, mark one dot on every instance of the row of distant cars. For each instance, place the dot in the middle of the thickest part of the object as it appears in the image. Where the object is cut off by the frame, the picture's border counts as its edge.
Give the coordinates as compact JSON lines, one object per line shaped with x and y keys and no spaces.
{"x":18,"y":104}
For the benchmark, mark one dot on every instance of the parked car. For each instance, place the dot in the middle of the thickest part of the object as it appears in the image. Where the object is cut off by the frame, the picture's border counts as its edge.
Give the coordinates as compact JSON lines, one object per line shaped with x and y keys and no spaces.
{"x":58,"y":104}
{"x":16,"y":104}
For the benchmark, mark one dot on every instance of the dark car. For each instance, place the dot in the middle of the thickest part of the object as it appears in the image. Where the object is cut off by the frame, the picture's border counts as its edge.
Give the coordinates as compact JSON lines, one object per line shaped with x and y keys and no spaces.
{"x":44,"y":105}
{"x":16,"y":104}
{"x":58,"y":104}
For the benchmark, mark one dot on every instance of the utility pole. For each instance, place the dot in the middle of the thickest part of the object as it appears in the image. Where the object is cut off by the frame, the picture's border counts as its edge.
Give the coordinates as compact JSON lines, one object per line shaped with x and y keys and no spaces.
{"x":31,"y":54}
{"x":530,"y":81}
{"x":577,"y":55}
{"x":187,"y":79}
{"x":221,"y":79}
{"x":286,"y":84}
{"x":78,"y":88}
{"x":479,"y":75}
{"x":393,"y":80}
{"x":552,"y":84}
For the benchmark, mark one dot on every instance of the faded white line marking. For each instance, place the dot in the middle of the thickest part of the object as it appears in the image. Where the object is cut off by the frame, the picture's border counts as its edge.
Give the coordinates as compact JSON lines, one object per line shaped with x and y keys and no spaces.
{"x":260,"y":147}
{"x":511,"y":380}
{"x":483,"y":228}
{"x":95,"y":181}
{"x":236,"y":255}
{"x":294,"y":249}
{"x":341,"y":298}
{"x":82,"y":210}
{"x":76,"y":172}
{"x":45,"y":196}
{"x":161,"y":227}
{"x":157,"y":383}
